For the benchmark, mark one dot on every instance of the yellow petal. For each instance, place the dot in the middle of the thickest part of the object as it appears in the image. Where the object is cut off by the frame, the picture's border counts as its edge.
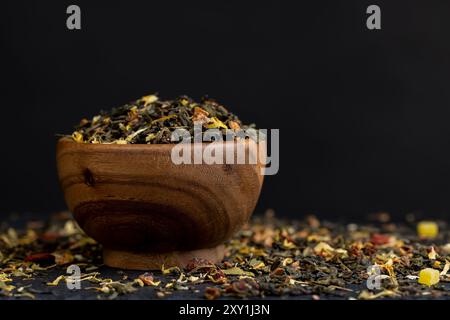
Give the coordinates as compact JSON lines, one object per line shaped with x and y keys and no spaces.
{"x":446,"y":268}
{"x":432,"y":254}
{"x":215,"y":123}
{"x":170,"y":116}
{"x":149,"y":99}
{"x":77,"y":137}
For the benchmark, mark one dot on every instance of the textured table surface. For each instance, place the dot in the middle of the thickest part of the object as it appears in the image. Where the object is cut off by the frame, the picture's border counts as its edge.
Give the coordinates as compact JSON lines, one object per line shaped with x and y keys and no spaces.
{"x":269,"y":259}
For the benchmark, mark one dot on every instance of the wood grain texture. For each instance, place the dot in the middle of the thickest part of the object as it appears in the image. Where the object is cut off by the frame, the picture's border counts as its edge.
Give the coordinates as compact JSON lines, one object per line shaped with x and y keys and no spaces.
{"x":132,"y":198}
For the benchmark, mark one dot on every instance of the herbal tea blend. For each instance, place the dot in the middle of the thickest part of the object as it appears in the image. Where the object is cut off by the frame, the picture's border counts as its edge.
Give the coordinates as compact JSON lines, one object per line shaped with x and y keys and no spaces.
{"x":150,"y":121}
{"x":308,"y":259}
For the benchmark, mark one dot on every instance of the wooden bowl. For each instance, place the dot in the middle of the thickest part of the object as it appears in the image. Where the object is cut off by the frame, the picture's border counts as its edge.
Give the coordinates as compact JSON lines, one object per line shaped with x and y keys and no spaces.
{"x":146,"y":211}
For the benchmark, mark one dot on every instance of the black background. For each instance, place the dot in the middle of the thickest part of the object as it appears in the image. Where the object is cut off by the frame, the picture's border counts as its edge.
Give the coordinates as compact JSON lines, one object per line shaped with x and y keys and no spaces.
{"x":363,"y":115}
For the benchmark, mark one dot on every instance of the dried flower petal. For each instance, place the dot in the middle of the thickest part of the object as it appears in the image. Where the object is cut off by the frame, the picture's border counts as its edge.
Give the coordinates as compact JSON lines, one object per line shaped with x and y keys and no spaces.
{"x":212,"y":293}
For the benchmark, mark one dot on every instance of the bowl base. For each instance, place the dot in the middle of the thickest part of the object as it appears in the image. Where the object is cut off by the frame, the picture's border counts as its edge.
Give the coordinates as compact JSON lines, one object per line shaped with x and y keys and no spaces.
{"x":154,"y":261}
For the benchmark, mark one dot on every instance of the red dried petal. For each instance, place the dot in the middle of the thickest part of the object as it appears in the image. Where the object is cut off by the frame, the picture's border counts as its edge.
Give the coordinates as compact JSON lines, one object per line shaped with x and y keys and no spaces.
{"x":40,"y":257}
{"x":379,"y":239}
{"x":199,"y":264}
{"x":212,"y":293}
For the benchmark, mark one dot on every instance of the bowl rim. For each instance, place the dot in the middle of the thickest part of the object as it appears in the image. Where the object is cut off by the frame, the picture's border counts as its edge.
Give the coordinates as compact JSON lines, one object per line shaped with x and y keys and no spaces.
{"x":69,"y":141}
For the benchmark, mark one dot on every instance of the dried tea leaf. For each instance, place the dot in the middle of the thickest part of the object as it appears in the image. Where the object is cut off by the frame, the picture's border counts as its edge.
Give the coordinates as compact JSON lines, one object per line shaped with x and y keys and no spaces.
{"x":243,"y":287}
{"x":62,"y":258}
{"x":217,"y":276}
{"x":257,"y":264}
{"x":200,"y":116}
{"x":170,"y":270}
{"x":10,"y":238}
{"x":432,"y":254}
{"x":4,"y":277}
{"x":71,"y":228}
{"x":6,"y":287}
{"x":199,"y":265}
{"x":324,"y":249}
{"x":148,"y":280}
{"x":149,"y":99}
{"x":150,"y":137}
{"x":162,"y":119}
{"x":288,"y":244}
{"x":446,"y":249}
{"x":56,"y":281}
{"x":389,"y":267}
{"x":366,"y":295}
{"x":236,"y":271}
{"x":234,"y":125}
{"x":134,"y":134}
{"x":446,"y":268}
{"x":139,"y":282}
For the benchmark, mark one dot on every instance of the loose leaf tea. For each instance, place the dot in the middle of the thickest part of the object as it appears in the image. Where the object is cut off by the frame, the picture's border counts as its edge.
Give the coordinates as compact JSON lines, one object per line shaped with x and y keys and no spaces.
{"x":269,"y":257}
{"x":150,"y":120}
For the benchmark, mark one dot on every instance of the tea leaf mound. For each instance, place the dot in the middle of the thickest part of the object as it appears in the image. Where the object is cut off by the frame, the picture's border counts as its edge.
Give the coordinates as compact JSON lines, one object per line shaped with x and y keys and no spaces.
{"x":150,"y":120}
